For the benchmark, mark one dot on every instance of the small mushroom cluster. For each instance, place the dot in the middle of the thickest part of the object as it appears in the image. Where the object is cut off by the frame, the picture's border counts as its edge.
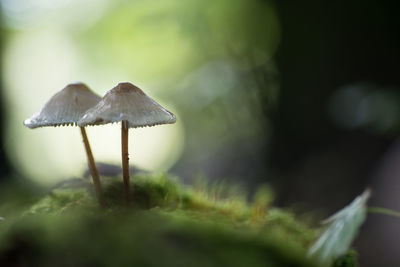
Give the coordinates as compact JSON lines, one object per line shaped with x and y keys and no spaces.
{"x":77,"y":105}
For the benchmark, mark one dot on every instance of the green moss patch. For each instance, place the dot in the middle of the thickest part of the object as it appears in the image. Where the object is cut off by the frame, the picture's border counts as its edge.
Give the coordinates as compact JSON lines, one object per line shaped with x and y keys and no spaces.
{"x":165,"y":224}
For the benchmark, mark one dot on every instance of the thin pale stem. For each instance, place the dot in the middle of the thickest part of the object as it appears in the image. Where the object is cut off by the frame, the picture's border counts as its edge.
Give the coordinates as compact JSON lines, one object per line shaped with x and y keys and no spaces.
{"x":385,"y":211}
{"x":92,"y":166}
{"x":125,"y":157}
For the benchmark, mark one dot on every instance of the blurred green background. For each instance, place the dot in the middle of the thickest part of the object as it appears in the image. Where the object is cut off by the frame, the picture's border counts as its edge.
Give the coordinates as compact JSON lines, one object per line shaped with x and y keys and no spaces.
{"x":198,"y":58}
{"x":303,"y":95}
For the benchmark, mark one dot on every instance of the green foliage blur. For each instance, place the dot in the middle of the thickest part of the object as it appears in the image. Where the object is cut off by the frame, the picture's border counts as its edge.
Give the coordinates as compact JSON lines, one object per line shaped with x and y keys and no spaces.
{"x":210,"y":62}
{"x":213,"y":60}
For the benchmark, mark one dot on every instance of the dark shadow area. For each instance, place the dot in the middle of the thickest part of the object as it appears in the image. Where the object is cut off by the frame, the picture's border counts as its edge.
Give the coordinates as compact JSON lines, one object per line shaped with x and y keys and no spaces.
{"x":327,"y":47}
{"x":5,"y":168}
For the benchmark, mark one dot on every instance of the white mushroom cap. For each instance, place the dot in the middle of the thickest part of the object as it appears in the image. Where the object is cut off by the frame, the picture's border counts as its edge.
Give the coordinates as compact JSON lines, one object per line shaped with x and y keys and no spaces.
{"x":126,"y":102}
{"x":65,"y":108}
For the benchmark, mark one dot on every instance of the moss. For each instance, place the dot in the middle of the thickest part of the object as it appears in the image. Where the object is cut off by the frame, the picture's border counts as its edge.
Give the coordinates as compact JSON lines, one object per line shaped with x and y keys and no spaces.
{"x":348,"y":260}
{"x":165,"y":224}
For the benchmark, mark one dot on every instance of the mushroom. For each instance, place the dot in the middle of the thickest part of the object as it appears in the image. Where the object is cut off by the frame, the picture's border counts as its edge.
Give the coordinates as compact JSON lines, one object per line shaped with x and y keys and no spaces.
{"x":65,"y":108}
{"x":129,"y":105}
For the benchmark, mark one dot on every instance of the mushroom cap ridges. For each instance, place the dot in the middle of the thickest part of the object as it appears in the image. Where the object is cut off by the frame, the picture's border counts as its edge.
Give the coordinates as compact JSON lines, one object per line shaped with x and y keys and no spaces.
{"x":126,"y":102}
{"x":64,"y":108}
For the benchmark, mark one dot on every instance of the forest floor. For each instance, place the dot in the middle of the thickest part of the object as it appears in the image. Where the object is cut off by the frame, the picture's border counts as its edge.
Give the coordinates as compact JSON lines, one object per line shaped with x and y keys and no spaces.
{"x":164,"y":224}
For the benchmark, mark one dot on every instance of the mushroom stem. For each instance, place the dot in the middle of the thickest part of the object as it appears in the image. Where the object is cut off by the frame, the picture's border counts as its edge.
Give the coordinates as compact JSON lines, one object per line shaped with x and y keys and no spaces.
{"x":125,"y":157}
{"x":92,"y":166}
